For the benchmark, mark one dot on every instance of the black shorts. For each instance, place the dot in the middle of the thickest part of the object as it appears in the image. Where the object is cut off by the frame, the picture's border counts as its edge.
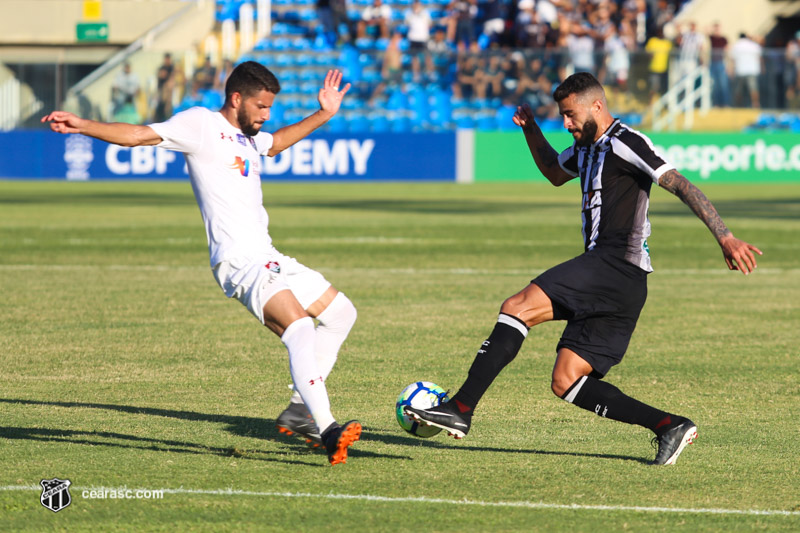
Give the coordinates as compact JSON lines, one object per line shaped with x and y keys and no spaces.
{"x":600,"y":296}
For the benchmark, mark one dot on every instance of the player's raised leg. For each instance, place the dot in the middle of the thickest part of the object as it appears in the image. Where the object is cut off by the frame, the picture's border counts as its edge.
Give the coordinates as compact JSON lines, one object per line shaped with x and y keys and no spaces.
{"x":572,"y":381}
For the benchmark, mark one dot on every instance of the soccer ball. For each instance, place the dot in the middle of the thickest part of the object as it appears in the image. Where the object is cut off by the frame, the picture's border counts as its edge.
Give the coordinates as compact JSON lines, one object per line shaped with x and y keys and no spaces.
{"x":422,"y":395}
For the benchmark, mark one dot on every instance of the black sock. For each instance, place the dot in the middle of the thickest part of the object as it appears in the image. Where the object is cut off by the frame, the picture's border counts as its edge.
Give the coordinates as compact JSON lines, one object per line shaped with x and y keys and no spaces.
{"x":496,"y":352}
{"x":606,"y":400}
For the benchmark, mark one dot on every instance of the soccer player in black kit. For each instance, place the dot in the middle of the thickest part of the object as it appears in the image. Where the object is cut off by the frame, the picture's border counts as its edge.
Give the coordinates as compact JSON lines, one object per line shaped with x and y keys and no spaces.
{"x":601,"y":292}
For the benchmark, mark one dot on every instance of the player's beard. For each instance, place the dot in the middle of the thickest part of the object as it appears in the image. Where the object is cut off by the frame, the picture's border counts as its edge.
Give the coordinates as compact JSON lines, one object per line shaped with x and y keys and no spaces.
{"x":588,"y":131}
{"x":247,"y":127}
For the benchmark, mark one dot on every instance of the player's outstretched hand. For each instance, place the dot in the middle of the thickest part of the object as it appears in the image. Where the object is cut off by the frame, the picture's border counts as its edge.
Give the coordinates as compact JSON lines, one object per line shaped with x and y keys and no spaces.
{"x":330,"y":97}
{"x":739,"y":254}
{"x":63,"y":122}
{"x":524,"y":117}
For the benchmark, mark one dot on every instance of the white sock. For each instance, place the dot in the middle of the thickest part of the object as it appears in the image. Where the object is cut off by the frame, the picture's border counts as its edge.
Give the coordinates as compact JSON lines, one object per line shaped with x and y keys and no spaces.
{"x":299,"y":339}
{"x":335,"y":323}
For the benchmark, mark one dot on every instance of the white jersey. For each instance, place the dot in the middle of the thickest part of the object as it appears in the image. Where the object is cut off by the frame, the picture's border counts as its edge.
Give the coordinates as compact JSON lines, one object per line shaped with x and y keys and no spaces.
{"x":225,"y":171}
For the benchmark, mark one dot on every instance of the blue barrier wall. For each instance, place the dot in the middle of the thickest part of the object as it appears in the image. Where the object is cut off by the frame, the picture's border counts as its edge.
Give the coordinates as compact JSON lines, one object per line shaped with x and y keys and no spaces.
{"x":378,"y":156}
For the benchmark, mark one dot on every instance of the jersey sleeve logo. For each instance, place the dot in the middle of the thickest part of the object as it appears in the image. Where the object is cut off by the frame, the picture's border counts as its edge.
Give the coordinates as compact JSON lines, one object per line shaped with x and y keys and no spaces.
{"x":243,"y":165}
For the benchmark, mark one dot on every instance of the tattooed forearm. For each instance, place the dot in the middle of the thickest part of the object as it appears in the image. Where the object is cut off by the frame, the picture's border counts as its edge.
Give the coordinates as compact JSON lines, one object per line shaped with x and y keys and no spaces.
{"x":678,"y":185}
{"x":547,"y":156}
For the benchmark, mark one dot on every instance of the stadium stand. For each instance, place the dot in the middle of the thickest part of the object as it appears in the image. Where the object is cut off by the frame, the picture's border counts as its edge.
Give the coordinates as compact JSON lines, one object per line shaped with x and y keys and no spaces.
{"x":479,"y":62}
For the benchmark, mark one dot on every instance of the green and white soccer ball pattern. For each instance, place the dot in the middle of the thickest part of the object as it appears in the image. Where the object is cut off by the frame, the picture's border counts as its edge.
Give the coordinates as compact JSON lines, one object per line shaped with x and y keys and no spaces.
{"x":421,"y":395}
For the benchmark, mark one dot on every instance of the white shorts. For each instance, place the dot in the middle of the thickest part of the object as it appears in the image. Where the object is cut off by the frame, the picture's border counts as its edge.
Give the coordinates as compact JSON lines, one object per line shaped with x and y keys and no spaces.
{"x":254,"y":281}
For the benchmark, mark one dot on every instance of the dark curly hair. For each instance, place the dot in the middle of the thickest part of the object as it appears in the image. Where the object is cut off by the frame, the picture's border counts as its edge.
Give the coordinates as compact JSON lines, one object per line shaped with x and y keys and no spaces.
{"x":250,"y":77}
{"x":579,"y":83}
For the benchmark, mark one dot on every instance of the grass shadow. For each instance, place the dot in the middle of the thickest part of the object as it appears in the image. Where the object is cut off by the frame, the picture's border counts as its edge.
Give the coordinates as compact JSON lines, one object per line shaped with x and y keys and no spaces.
{"x":245,"y":426}
{"x":391,"y":438}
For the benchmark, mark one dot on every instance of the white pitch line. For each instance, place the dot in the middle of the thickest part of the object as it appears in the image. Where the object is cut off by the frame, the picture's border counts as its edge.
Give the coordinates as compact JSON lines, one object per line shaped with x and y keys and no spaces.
{"x":434,"y":501}
{"x":764,"y":271}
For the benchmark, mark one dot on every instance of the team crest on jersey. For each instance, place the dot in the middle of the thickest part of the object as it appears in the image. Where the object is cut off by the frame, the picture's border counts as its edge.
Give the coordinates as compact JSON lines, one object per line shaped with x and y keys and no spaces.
{"x":55,"y":493}
{"x":243,"y":165}
{"x":241,"y":139}
{"x":273,"y":266}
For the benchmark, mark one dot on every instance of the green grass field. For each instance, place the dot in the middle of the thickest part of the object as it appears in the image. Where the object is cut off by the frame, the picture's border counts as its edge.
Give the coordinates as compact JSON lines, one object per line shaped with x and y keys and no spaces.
{"x":123,"y":365}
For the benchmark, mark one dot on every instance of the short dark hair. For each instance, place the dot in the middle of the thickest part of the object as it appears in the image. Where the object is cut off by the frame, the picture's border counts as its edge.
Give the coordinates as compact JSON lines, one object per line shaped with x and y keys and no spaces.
{"x":250,"y":77}
{"x":578,"y":83}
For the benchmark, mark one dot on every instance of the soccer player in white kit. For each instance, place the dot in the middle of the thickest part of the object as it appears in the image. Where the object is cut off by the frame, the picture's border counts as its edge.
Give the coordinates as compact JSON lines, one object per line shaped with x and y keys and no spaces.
{"x":223,"y":152}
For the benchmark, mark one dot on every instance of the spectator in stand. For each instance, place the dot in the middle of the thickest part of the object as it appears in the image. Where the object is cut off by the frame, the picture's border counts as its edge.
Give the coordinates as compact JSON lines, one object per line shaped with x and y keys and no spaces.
{"x":580,"y":45}
{"x":466,"y":69}
{"x":721,"y":89}
{"x":746,"y":54}
{"x":618,"y":49}
{"x":494,"y":25}
{"x":440,"y":57}
{"x":511,"y":74}
{"x":222,"y":77}
{"x":165,"y":86}
{"x":659,"y":48}
{"x":375,"y":18}
{"x":600,"y":24}
{"x":419,"y":22}
{"x":531,"y":31}
{"x":325,"y":16}
{"x":548,"y":12}
{"x":461,"y":22}
{"x":663,"y":14}
{"x":489,"y":78}
{"x":535,"y":89}
{"x":205,"y":76}
{"x":792,"y":71}
{"x":692,"y":44}
{"x":124,"y":91}
{"x":391,"y":69}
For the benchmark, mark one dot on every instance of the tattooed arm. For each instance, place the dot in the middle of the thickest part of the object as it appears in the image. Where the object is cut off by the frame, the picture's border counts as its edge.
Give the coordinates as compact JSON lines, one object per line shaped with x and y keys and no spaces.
{"x":545,"y":157}
{"x":738,"y":254}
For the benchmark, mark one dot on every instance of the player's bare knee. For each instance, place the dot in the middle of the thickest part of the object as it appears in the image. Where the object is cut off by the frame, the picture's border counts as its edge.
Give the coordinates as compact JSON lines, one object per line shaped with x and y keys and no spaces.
{"x":559,"y":384}
{"x":513,"y":305}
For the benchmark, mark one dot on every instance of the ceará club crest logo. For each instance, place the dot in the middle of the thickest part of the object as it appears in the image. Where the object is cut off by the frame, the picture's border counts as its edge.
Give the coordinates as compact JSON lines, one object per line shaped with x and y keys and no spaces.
{"x":55,"y":493}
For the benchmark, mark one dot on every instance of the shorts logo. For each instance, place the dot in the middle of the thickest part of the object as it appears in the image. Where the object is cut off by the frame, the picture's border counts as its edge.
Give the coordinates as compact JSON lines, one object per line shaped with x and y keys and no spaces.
{"x":55,"y":493}
{"x":273,"y":266}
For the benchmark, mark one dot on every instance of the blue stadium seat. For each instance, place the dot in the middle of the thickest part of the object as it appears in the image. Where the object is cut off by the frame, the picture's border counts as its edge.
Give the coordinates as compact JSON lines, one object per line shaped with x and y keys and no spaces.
{"x":308,"y":74}
{"x":304,"y":60}
{"x":284,"y":60}
{"x":358,"y":121}
{"x":337,"y":124}
{"x":505,"y":114}
{"x":262,"y":45}
{"x":308,"y":15}
{"x":397,"y":100}
{"x":211,"y":99}
{"x":465,"y":122}
{"x":550,"y":124}
{"x":309,"y":87}
{"x":379,"y":123}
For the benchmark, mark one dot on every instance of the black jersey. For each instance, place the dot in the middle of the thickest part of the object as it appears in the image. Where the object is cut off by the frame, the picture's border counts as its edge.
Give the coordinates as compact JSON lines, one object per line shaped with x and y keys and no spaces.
{"x":616,"y":173}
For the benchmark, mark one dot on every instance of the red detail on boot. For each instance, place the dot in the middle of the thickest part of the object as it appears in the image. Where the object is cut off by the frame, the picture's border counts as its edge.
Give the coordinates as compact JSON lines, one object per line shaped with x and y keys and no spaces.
{"x":667,"y":421}
{"x":463,"y":407}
